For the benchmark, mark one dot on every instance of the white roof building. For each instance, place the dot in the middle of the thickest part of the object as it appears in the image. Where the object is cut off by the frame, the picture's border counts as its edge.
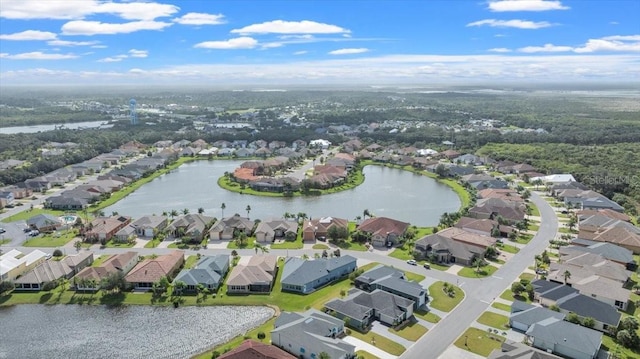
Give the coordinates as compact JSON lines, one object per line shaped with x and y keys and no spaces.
{"x":557,"y":178}
{"x":14,"y":263}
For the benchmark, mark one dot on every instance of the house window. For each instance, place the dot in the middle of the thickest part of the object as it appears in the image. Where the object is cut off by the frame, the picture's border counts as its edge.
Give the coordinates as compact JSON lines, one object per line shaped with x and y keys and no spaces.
{"x":619,"y":304}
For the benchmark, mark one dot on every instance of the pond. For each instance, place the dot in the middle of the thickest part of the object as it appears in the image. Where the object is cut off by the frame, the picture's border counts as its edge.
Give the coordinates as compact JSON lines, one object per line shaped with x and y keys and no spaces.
{"x":73,"y":331}
{"x":51,"y":127}
{"x":388,"y":192}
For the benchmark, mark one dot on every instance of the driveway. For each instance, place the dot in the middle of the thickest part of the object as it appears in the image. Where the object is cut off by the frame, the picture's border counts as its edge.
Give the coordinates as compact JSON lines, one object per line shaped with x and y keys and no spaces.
{"x":361,"y":345}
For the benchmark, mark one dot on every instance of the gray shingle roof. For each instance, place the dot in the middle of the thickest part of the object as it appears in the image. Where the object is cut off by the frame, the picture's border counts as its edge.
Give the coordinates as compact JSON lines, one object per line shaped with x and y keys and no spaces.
{"x":378,"y":272}
{"x":299,"y":272}
{"x":413,"y":289}
{"x":580,"y":339}
{"x":533,"y":314}
{"x":585,"y":306}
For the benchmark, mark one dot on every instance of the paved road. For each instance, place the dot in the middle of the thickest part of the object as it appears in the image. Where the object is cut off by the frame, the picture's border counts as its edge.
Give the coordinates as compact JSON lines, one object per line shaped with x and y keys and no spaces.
{"x":480,"y":293}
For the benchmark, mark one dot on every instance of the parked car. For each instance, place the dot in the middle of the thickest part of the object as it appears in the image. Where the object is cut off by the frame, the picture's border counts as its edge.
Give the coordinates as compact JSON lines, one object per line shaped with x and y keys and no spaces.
{"x":426,"y":266}
{"x":34,"y":233}
{"x":27,"y":230}
{"x":412,"y":262}
{"x":2,"y":230}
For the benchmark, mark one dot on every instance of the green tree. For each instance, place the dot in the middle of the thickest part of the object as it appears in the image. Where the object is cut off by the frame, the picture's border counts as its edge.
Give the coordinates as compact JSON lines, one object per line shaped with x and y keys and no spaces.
{"x":222,"y":207}
{"x":517,"y":288}
{"x":566,"y":275}
{"x":200,"y":210}
{"x":589,"y":322}
{"x":572,"y":318}
{"x":185,"y":211}
{"x":173,"y":214}
{"x":248,"y":209}
{"x":6,"y":287}
{"x":324,"y":355}
{"x":77,"y":245}
{"x":114,"y":282}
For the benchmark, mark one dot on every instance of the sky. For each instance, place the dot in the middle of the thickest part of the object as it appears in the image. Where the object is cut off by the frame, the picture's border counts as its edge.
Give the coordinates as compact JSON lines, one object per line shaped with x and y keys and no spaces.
{"x":229,"y":42}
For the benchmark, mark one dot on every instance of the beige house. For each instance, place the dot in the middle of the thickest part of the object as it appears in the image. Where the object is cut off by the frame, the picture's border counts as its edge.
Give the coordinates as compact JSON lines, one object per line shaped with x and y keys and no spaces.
{"x":51,"y":271}
{"x":14,"y":263}
{"x":89,"y":278}
{"x":256,"y":276}
{"x":151,"y":270}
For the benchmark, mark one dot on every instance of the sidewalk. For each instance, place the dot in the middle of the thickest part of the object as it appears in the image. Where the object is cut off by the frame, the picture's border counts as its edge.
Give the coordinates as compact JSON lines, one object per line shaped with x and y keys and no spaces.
{"x":383,"y":331}
{"x":361,"y":345}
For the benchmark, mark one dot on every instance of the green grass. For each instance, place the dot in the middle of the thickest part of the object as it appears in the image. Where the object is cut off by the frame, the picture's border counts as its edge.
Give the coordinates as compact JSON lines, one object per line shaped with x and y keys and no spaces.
{"x":363,"y":354}
{"x":610,"y":344}
{"x":352,"y":246}
{"x":379,"y":342}
{"x":501,"y":306}
{"x":527,"y":276}
{"x":471,"y":272}
{"x":533,"y":226}
{"x":98,"y":261}
{"x":479,"y":341}
{"x":566,"y":230}
{"x":495,"y":320}
{"x":190,"y":262}
{"x":509,"y":248}
{"x":114,"y":244}
{"x":152,"y":244}
{"x":401,"y":254}
{"x":428,"y":316}
{"x":414,"y":276}
{"x":26,"y":214}
{"x":56,"y":239}
{"x":534,"y":210}
{"x":4,"y":241}
{"x":508,"y":295}
{"x":524,"y":238}
{"x":413,"y":331}
{"x":251,"y":241}
{"x":440,"y":300}
{"x":233,"y":343}
{"x":288,"y":245}
{"x":320,"y":246}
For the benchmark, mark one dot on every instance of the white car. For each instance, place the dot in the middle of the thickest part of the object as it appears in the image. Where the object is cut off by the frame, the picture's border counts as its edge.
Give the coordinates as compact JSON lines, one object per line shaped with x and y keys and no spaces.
{"x":412,"y":262}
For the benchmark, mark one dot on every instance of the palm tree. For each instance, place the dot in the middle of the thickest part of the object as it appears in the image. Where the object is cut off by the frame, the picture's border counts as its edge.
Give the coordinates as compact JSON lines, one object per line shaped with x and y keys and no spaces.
{"x":200,"y":210}
{"x":478,"y":262}
{"x":566,"y":275}
{"x":173,"y":213}
{"x":366,"y":214}
{"x":222,"y":207}
{"x":248,"y":209}
{"x":185,"y":211}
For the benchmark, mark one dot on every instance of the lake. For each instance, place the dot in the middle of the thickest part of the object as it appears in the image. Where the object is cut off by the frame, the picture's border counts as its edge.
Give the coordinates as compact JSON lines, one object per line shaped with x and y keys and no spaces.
{"x":91,"y":331}
{"x":51,"y":127}
{"x":388,"y":192}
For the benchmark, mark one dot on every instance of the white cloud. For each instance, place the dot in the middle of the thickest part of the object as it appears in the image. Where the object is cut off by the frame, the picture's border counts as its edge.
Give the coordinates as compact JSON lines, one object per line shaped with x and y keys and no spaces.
{"x":545,"y":48}
{"x":138,"y":53}
{"x":520,"y":24}
{"x":29,"y":35}
{"x":197,"y":18}
{"x":525,"y":5}
{"x":72,"y":43}
{"x":111,"y":59}
{"x":499,"y":49}
{"x":622,"y":38}
{"x":301,"y":37}
{"x":300,"y":52}
{"x":236,"y":43}
{"x":359,"y":50}
{"x":99,"y":46}
{"x":37,"y":55}
{"x":290,"y":27}
{"x":271,"y":45}
{"x":71,"y":10}
{"x":82,"y":27}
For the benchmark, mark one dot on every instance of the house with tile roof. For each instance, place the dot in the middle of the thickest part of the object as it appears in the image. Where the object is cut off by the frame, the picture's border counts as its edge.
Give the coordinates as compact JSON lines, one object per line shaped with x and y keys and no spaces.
{"x":384,"y":231}
{"x":192,"y":225}
{"x":306,"y":276}
{"x":257,"y":276}
{"x":150,"y":226}
{"x":53,"y":271}
{"x":269,"y":230}
{"x":313,"y":229}
{"x":251,"y":349}
{"x":89,"y":278}
{"x":151,"y":270}
{"x":225,"y":228}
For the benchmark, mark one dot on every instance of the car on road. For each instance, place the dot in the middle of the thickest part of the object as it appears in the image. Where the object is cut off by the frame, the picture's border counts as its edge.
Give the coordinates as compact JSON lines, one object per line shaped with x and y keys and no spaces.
{"x":412,"y":262}
{"x":426,"y":266}
{"x":2,"y":230}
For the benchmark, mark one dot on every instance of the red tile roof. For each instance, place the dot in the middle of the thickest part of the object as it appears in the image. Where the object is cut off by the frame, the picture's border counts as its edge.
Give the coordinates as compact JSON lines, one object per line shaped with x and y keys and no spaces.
{"x":250,"y":349}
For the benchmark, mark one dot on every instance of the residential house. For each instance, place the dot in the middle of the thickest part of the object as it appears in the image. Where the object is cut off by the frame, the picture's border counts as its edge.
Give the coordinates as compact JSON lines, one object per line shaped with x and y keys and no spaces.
{"x":313,"y":229}
{"x":151,"y":270}
{"x":90,"y":278}
{"x":53,"y":271}
{"x":384,"y":231}
{"x":565,"y":339}
{"x":524,"y":315}
{"x":443,"y":249}
{"x":585,"y":265}
{"x":44,"y":222}
{"x":507,"y":194}
{"x":602,"y":289}
{"x":305,"y":276}
{"x":105,"y":228}
{"x":514,"y":350}
{"x":18,"y":192}
{"x":251,"y":349}
{"x":492,"y":208}
{"x":6,"y":199}
{"x":150,"y":226}
{"x":362,"y":308}
{"x":605,"y":315}
{"x":485,"y":227}
{"x":586,"y":213}
{"x":126,"y":234}
{"x":192,"y":225}
{"x":15,"y":263}
{"x":224,"y":229}
{"x":608,"y":251}
{"x":308,"y":334}
{"x":601,"y":228}
{"x":555,"y":178}
{"x":38,"y":184}
{"x":208,"y":272}
{"x":392,"y":280}
{"x":589,"y":200}
{"x":256,"y":276}
{"x":270,"y":230}
{"x":69,"y":202}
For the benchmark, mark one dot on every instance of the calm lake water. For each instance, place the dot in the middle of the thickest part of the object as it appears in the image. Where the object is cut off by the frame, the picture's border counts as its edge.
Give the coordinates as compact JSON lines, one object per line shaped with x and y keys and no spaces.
{"x":72,"y":331}
{"x":42,"y":128}
{"x":388,"y":192}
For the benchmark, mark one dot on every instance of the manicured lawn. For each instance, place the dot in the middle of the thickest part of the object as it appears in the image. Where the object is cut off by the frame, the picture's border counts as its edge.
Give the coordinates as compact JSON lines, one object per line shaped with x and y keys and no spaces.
{"x":479,"y":342}
{"x":98,"y":261}
{"x":440,"y":300}
{"x":253,"y":334}
{"x":495,"y":320}
{"x":608,"y":343}
{"x":379,"y":342}
{"x":533,"y":227}
{"x":152,"y":244}
{"x":287,"y":245}
{"x":251,"y":241}
{"x":524,"y":238}
{"x":401,"y":254}
{"x":501,"y":306}
{"x":190,"y":262}
{"x":534,"y":210}
{"x":527,"y":276}
{"x":352,"y":246}
{"x":412,"y":331}
{"x":509,"y":248}
{"x":414,"y":276}
{"x":508,"y":295}
{"x":428,"y":316}
{"x":113,"y":244}
{"x":4,"y":241}
{"x":470,"y":272}
{"x":24,"y":215}
{"x":320,"y":246}
{"x":56,"y":239}
{"x":566,"y":230}
{"x":364,"y":355}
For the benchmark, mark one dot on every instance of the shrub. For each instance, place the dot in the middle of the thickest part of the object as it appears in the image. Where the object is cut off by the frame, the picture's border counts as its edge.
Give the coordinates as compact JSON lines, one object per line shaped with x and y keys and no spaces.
{"x":57,"y":253}
{"x":215,"y":354}
{"x":49,"y":286}
{"x":261,"y":335}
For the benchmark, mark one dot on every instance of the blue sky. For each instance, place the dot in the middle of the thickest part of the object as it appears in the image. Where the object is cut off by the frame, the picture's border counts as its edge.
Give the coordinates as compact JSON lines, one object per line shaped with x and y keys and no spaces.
{"x":332,"y":41}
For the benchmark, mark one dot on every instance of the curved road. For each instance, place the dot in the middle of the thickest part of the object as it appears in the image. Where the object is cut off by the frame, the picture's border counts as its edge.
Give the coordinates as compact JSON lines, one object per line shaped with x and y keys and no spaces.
{"x":479,"y":293}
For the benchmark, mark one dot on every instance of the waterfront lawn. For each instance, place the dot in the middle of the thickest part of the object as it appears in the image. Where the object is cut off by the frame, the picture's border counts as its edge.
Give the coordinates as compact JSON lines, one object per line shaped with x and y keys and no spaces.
{"x":235,"y":342}
{"x":471,"y":272}
{"x":55,"y":239}
{"x":190,"y":262}
{"x":495,"y":320}
{"x":24,"y":215}
{"x":501,"y":306}
{"x":440,"y":300}
{"x":412,"y":331}
{"x":379,"y":341}
{"x":479,"y":341}
{"x":320,"y":246}
{"x":427,"y":315}
{"x":363,"y":354}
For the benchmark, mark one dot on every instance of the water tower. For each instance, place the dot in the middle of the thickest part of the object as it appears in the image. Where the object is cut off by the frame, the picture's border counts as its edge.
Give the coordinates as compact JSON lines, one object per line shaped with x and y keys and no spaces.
{"x":132,"y":112}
